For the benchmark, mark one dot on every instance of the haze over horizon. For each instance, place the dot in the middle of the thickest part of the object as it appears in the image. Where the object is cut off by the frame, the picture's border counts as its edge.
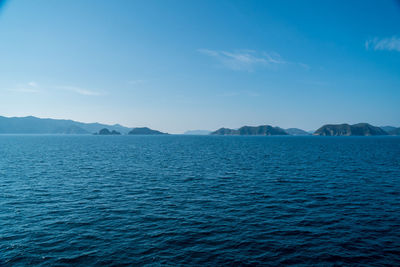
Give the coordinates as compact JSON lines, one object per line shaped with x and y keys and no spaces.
{"x":183,"y":65}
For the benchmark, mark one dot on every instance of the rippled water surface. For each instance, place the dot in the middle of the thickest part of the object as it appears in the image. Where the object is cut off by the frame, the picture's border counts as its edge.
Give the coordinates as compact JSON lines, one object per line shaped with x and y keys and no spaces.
{"x":199,"y":200}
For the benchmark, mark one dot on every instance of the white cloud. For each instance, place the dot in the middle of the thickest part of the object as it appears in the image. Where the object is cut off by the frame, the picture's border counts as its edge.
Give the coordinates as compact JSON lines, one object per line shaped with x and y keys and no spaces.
{"x":33,"y":84}
{"x":389,"y":44}
{"x":304,"y":66}
{"x":33,"y":87}
{"x":274,"y":58}
{"x":243,"y":59}
{"x":24,"y":90}
{"x":30,"y":87}
{"x":247,"y":60}
{"x":80,"y":91}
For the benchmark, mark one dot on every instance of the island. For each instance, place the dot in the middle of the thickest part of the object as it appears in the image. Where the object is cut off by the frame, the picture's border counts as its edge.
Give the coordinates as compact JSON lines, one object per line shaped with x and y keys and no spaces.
{"x":145,"y":131}
{"x":391,"y":130}
{"x":296,"y":131}
{"x":251,"y":130}
{"x":395,"y":131}
{"x":34,"y":125}
{"x":359,"y":129}
{"x":105,"y":131}
{"x":197,"y":132}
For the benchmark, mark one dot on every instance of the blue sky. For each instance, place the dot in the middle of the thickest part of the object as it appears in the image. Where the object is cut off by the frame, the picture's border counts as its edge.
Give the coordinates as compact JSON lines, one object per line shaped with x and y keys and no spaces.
{"x":181,"y":65}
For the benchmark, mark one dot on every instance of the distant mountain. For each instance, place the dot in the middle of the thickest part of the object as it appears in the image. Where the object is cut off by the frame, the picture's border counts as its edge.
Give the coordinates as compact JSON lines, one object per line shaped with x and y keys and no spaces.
{"x":395,"y":131}
{"x":33,"y":125}
{"x":388,"y":128}
{"x":391,"y":130}
{"x":225,"y":131}
{"x":145,"y":131}
{"x":105,"y":131}
{"x":296,"y":131}
{"x":251,"y":130}
{"x":197,"y":132}
{"x":73,"y":129}
{"x":360,"y":129}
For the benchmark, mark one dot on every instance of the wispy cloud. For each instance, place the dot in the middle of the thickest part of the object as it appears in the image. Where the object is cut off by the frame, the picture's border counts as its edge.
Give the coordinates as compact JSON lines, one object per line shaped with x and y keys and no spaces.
{"x":80,"y":90}
{"x":30,"y":87}
{"x":247,"y":60}
{"x":389,"y":44}
{"x":24,"y":90}
{"x":302,"y":65}
{"x":34,"y":87}
{"x":33,"y":84}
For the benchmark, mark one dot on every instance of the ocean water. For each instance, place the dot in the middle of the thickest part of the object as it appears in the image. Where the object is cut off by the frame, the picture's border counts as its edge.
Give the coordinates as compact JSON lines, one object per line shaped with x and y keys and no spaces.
{"x":199,"y":200}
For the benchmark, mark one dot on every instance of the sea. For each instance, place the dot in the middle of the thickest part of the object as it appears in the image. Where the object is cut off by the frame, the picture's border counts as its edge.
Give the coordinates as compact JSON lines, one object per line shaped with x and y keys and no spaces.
{"x":180,"y":200}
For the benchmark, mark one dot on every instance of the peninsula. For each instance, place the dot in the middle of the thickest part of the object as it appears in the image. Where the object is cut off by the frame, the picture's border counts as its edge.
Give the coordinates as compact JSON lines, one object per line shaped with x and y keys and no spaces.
{"x":144,"y":131}
{"x":251,"y":130}
{"x":359,"y":129}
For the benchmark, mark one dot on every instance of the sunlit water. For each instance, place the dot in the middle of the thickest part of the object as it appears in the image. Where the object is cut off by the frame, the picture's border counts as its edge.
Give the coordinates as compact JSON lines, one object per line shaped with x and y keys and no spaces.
{"x":199,"y":200}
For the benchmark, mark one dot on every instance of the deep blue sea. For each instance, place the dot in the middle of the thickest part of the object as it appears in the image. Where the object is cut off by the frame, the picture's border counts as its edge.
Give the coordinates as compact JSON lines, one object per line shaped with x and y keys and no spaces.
{"x":199,"y":200}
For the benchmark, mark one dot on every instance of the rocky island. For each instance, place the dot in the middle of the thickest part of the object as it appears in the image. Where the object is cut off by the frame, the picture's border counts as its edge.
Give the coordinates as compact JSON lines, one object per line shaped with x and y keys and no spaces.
{"x":105,"y":131}
{"x":144,"y":131}
{"x":251,"y":130}
{"x":359,"y":129}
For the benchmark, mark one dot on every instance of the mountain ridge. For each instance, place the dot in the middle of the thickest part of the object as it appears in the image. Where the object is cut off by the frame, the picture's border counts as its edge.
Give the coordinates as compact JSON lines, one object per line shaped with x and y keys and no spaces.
{"x":296,"y":131}
{"x":344,"y":129}
{"x":35,"y":125}
{"x":251,"y":130}
{"x":145,"y":131}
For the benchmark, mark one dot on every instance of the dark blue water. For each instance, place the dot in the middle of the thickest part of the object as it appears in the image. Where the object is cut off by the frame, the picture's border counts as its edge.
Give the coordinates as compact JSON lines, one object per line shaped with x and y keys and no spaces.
{"x":193,"y":200}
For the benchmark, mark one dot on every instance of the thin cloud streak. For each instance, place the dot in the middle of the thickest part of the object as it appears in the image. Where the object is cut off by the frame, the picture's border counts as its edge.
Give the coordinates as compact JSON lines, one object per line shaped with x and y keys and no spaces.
{"x":243,"y":60}
{"x":34,"y":87}
{"x":388,"y":44}
{"x":248,"y":60}
{"x":80,"y":91}
{"x":24,"y":90}
{"x":31,"y":87}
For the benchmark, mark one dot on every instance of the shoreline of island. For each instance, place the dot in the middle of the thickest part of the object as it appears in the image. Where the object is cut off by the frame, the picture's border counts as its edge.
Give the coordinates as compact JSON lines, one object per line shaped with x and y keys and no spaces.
{"x":34,"y":125}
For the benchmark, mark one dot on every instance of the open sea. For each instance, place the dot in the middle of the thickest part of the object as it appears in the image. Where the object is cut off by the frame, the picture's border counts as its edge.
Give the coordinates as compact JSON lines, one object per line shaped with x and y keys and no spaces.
{"x":199,"y":200}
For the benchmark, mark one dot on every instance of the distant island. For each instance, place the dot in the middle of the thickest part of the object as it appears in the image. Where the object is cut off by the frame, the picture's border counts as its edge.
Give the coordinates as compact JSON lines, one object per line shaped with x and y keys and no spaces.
{"x":34,"y":125}
{"x":134,"y":131}
{"x":197,"y":132}
{"x":395,"y":131}
{"x":359,"y":129}
{"x":105,"y":131}
{"x":251,"y":130}
{"x":144,"y":131}
{"x":391,"y":130}
{"x":296,"y":131}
